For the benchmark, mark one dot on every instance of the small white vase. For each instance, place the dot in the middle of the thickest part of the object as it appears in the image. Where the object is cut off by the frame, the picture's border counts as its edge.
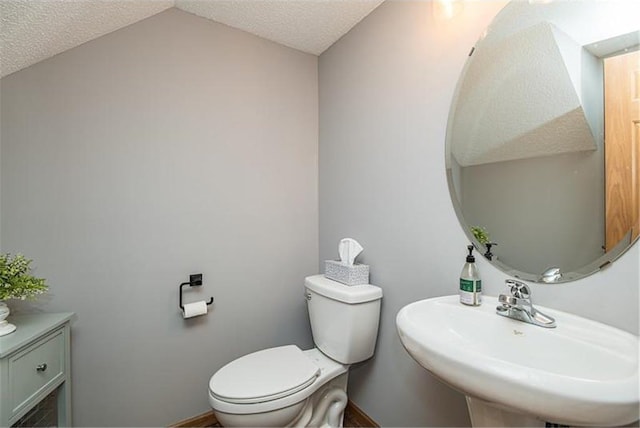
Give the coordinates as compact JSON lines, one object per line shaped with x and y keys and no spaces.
{"x":5,"y":327}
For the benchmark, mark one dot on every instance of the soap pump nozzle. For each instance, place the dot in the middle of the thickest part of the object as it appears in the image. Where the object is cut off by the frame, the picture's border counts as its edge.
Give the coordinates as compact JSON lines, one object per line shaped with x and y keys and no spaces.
{"x":470,"y":257}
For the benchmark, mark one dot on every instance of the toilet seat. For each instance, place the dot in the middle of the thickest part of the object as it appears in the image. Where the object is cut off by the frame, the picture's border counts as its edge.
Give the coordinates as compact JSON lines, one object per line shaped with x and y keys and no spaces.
{"x":265,"y":375}
{"x":326,"y":368}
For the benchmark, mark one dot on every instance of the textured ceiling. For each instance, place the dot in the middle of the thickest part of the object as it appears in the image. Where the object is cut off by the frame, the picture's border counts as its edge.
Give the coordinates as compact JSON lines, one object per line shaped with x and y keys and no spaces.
{"x":33,"y":30}
{"x":307,"y":25}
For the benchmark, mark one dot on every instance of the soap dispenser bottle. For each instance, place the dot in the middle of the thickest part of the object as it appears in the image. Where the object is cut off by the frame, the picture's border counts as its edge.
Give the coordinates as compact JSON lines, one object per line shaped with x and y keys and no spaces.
{"x":470,"y":283}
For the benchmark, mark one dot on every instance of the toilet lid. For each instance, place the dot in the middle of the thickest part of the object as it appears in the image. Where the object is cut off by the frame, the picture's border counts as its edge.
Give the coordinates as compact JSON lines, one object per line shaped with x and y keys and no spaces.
{"x":264,"y":376}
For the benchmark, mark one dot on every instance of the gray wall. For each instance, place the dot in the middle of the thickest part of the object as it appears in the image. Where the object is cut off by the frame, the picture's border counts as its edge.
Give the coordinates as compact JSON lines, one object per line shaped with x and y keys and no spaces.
{"x":385,"y":90}
{"x":553,"y":204}
{"x":170,"y":147}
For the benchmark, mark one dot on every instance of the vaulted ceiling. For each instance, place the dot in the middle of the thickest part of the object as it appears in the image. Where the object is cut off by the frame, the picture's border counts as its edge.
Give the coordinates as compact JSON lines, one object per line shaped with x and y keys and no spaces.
{"x":34,"y":30}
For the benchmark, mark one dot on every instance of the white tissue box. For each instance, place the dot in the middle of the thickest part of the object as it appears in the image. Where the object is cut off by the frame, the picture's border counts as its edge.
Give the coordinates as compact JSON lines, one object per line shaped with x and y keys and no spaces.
{"x":336,"y":270}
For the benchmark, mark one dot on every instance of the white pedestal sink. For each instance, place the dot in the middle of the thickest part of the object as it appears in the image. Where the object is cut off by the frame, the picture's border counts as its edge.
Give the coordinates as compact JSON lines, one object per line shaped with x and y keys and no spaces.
{"x":581,"y":373}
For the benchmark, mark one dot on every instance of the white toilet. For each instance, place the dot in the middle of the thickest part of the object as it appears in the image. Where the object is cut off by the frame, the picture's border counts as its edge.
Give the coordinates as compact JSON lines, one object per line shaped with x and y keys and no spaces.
{"x":288,"y":387}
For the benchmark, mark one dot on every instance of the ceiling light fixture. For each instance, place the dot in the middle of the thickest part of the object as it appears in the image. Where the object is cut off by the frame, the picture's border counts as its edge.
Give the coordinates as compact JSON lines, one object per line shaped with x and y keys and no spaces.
{"x":446,"y":9}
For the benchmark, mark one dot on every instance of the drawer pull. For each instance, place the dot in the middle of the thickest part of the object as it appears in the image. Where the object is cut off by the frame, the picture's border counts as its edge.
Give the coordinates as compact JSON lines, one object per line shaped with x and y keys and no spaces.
{"x":41,"y":367}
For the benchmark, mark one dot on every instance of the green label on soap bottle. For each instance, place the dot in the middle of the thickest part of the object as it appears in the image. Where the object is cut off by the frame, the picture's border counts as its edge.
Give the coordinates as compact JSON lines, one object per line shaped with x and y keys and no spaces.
{"x":467,"y":285}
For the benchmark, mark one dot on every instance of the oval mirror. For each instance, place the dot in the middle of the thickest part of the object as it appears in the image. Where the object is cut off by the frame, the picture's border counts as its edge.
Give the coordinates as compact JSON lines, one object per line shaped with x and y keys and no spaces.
{"x":543,"y":138}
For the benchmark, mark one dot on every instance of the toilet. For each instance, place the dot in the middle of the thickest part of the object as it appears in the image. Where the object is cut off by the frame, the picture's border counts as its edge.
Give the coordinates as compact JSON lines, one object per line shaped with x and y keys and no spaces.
{"x":288,"y":387}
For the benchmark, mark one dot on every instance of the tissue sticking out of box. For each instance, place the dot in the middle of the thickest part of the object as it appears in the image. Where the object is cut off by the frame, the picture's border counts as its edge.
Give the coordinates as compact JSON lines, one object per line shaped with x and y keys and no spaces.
{"x":345,"y":270}
{"x":349,"y":249}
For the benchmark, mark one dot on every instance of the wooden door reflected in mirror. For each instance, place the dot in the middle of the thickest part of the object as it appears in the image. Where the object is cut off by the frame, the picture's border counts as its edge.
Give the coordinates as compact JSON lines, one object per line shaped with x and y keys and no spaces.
{"x":622,"y":147}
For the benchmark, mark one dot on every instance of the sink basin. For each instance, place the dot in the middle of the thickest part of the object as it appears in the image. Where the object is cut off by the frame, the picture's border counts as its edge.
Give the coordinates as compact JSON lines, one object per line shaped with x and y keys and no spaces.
{"x":580,"y":373}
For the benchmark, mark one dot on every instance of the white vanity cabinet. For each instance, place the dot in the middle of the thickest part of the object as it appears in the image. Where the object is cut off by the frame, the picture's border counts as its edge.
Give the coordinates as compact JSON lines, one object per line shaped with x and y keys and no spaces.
{"x":35,"y":361}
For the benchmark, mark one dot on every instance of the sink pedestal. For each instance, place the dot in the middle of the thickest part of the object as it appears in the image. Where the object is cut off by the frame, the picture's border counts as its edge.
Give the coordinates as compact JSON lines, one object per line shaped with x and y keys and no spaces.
{"x":485,"y":414}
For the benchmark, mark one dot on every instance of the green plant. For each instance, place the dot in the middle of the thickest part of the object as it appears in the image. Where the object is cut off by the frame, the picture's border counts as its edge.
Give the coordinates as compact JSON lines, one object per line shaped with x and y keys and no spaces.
{"x":481,"y":234}
{"x":16,"y":282}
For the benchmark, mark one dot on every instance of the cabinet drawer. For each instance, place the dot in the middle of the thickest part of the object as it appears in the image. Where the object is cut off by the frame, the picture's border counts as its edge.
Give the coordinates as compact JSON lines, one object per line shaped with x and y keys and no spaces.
{"x":35,"y":369}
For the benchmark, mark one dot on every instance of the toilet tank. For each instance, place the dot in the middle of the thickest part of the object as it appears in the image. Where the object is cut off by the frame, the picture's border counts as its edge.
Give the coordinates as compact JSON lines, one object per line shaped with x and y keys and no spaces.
{"x":344,"y":319}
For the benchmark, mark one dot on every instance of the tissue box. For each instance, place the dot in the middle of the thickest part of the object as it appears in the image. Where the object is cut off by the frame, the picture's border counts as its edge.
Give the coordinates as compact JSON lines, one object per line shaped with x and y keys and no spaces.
{"x":357,"y":274}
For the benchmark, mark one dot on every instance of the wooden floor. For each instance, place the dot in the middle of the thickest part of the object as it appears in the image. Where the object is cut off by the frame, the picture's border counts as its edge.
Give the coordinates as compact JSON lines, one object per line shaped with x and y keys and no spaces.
{"x":354,"y":420}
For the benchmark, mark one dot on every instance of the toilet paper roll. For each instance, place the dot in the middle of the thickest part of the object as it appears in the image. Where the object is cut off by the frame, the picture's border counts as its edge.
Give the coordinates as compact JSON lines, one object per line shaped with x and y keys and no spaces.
{"x":194,"y":309}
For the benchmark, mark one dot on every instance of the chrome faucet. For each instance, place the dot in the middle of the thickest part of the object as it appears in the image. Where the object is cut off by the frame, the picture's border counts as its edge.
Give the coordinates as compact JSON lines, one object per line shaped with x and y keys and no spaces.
{"x":519,"y":307}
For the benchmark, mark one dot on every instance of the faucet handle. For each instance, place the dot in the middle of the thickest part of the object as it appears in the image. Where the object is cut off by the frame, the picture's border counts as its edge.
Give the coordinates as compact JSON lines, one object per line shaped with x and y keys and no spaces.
{"x":518,"y":289}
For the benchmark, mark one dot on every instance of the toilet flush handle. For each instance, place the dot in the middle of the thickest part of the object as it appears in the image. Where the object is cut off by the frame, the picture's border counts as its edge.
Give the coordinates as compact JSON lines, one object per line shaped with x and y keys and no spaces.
{"x":307,"y":296}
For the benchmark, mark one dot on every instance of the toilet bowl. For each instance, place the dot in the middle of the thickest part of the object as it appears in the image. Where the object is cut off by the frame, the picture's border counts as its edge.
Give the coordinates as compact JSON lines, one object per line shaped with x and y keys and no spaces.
{"x":285,"y":386}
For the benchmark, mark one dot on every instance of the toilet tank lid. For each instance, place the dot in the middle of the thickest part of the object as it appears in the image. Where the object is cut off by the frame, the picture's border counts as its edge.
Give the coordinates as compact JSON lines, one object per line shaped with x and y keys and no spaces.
{"x":343,"y":293}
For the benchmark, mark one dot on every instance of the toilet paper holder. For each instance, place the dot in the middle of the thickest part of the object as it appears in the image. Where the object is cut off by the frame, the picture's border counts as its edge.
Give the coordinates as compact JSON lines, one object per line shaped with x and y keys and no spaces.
{"x":195,"y":280}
